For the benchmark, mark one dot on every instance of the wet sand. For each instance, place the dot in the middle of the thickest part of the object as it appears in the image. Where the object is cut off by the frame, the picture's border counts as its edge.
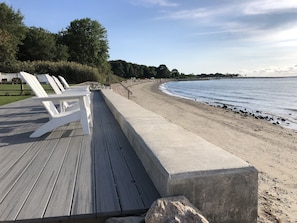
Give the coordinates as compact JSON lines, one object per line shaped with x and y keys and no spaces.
{"x":270,"y":148}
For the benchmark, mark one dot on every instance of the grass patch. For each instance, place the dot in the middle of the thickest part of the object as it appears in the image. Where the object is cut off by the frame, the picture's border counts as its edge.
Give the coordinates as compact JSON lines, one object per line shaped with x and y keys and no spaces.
{"x":9,"y":99}
{"x":12,"y":92}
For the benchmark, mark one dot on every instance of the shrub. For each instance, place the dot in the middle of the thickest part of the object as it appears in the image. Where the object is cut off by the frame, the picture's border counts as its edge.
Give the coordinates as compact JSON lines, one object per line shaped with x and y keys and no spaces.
{"x":73,"y":72}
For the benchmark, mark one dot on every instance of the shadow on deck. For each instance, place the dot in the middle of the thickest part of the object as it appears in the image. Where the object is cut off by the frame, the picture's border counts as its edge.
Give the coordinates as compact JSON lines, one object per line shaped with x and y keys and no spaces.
{"x":65,"y":176}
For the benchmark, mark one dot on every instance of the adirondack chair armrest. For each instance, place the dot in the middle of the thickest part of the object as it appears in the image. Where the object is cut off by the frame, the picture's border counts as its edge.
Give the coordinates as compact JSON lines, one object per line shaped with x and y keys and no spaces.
{"x":62,"y":97}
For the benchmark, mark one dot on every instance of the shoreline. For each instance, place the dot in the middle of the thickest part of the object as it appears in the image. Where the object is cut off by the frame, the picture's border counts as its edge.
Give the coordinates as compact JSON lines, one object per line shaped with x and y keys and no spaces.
{"x":271,"y":149}
{"x":276,"y":119}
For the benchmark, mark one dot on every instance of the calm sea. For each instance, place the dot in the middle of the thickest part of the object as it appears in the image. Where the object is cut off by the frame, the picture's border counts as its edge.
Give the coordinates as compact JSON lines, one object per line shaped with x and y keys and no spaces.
{"x":269,"y":97}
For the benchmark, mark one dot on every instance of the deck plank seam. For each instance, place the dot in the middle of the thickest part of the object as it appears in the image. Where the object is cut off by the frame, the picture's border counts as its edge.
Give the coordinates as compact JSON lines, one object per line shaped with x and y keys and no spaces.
{"x":18,"y":159}
{"x":100,"y":143}
{"x":68,"y":165}
{"x":77,"y":165}
{"x":56,"y":180}
{"x":117,"y":147}
{"x":38,"y":177}
{"x":111,"y":166}
{"x":21,"y":174}
{"x":132,"y":176}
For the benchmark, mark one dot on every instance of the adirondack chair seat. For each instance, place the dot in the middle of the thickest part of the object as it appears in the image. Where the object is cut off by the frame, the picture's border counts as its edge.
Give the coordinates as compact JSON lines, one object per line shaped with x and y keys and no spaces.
{"x":60,"y":118}
{"x":82,"y":113}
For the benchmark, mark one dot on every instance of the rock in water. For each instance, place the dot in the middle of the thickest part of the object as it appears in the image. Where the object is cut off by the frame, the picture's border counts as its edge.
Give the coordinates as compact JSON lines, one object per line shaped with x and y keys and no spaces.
{"x":174,"y":210}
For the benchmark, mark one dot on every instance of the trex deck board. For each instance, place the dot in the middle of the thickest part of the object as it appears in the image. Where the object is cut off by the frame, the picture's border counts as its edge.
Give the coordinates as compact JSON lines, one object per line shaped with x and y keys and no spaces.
{"x":65,"y":182}
{"x":24,"y":184}
{"x":123,"y":179}
{"x":105,"y":181}
{"x":84,"y":193}
{"x":42,"y":190}
{"x":137,"y":170}
{"x":65,"y":175}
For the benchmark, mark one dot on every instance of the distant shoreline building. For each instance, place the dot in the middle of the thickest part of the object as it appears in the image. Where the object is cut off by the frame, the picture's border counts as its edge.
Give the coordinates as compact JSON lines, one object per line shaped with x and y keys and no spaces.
{"x":8,"y":78}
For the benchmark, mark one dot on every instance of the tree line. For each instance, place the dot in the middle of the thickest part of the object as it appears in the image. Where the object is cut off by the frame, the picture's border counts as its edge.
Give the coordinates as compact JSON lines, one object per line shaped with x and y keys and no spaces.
{"x":127,"y":70}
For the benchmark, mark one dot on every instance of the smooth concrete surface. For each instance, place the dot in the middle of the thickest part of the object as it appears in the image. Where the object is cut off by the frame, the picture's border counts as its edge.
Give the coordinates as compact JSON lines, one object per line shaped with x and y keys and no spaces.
{"x":221,"y":185}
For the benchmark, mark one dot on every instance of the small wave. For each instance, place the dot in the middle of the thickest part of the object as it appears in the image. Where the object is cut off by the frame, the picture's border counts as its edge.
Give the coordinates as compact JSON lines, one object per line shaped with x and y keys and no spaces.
{"x":164,"y":89}
{"x":276,"y":97}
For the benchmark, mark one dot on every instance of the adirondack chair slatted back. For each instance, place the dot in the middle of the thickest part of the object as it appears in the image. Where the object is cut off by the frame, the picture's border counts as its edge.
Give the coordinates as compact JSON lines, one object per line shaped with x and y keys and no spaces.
{"x":66,"y":85}
{"x":60,"y":85}
{"x":53,"y":84}
{"x":39,"y":91}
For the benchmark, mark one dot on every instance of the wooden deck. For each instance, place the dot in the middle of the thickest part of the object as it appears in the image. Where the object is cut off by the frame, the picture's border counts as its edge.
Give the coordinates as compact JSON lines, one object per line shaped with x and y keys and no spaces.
{"x":65,"y":176}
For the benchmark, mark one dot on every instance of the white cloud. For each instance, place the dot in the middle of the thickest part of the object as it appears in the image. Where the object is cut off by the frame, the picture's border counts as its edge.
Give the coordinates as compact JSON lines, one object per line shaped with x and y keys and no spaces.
{"x":272,"y":71}
{"x":164,"y":3}
{"x":256,"y":20}
{"x":189,"y":14}
{"x":289,"y":34}
{"x":269,"y":6}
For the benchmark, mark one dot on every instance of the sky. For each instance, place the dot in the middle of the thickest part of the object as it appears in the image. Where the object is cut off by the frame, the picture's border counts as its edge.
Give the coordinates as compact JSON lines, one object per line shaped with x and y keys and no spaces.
{"x":253,"y":38}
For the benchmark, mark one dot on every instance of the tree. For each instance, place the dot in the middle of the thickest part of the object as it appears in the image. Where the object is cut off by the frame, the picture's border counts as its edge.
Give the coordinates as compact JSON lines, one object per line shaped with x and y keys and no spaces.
{"x":163,"y":72}
{"x":61,"y":52}
{"x":7,"y":46}
{"x":152,"y":71}
{"x":87,"y":42}
{"x":175,"y":73}
{"x":12,"y":31}
{"x":38,"y":44}
{"x":118,"y":67}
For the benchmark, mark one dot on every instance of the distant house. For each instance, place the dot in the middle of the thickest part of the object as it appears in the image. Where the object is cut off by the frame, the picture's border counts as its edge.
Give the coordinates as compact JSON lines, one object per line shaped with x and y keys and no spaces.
{"x":8,"y":77}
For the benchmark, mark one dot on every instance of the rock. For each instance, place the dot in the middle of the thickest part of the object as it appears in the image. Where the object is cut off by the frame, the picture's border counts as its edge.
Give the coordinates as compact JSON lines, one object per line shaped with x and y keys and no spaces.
{"x":174,"y":210}
{"x":125,"y":220}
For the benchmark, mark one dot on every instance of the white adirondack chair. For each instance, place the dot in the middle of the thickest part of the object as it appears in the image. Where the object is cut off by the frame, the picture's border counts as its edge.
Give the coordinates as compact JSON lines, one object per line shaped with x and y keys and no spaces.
{"x":63,"y":104}
{"x":66,"y":85}
{"x":53,"y":84}
{"x":57,"y":119}
{"x":58,"y":83}
{"x":72,"y":88}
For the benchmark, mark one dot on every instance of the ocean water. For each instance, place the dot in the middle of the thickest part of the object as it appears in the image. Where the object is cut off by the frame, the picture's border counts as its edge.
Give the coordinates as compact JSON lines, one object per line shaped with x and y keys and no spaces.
{"x":272,"y":98}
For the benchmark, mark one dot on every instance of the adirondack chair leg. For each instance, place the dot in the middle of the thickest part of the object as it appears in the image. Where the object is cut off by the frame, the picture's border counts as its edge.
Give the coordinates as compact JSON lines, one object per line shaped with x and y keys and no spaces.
{"x":55,"y":123}
{"x":85,"y":116}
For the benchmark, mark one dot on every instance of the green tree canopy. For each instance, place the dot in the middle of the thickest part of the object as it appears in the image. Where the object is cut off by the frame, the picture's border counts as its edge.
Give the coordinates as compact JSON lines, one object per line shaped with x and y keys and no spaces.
{"x":175,"y":73}
{"x":38,"y":44}
{"x":7,"y":46}
{"x":127,"y":70}
{"x":163,"y":72}
{"x":12,"y":31}
{"x":87,"y":42}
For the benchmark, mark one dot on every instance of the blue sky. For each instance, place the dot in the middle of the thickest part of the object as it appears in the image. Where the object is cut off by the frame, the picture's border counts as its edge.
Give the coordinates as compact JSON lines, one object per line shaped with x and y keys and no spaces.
{"x":254,"y":37}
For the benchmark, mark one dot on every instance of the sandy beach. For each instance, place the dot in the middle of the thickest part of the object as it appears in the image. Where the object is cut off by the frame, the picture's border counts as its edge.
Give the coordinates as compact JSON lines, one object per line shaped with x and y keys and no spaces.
{"x":270,"y":148}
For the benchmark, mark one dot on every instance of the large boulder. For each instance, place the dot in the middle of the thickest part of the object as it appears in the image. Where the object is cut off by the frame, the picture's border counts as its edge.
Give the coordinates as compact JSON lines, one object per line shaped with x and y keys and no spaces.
{"x":174,"y":210}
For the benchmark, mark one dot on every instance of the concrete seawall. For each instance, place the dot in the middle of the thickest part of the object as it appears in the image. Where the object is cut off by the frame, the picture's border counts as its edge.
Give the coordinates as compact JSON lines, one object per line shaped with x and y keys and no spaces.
{"x":179,"y":162}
